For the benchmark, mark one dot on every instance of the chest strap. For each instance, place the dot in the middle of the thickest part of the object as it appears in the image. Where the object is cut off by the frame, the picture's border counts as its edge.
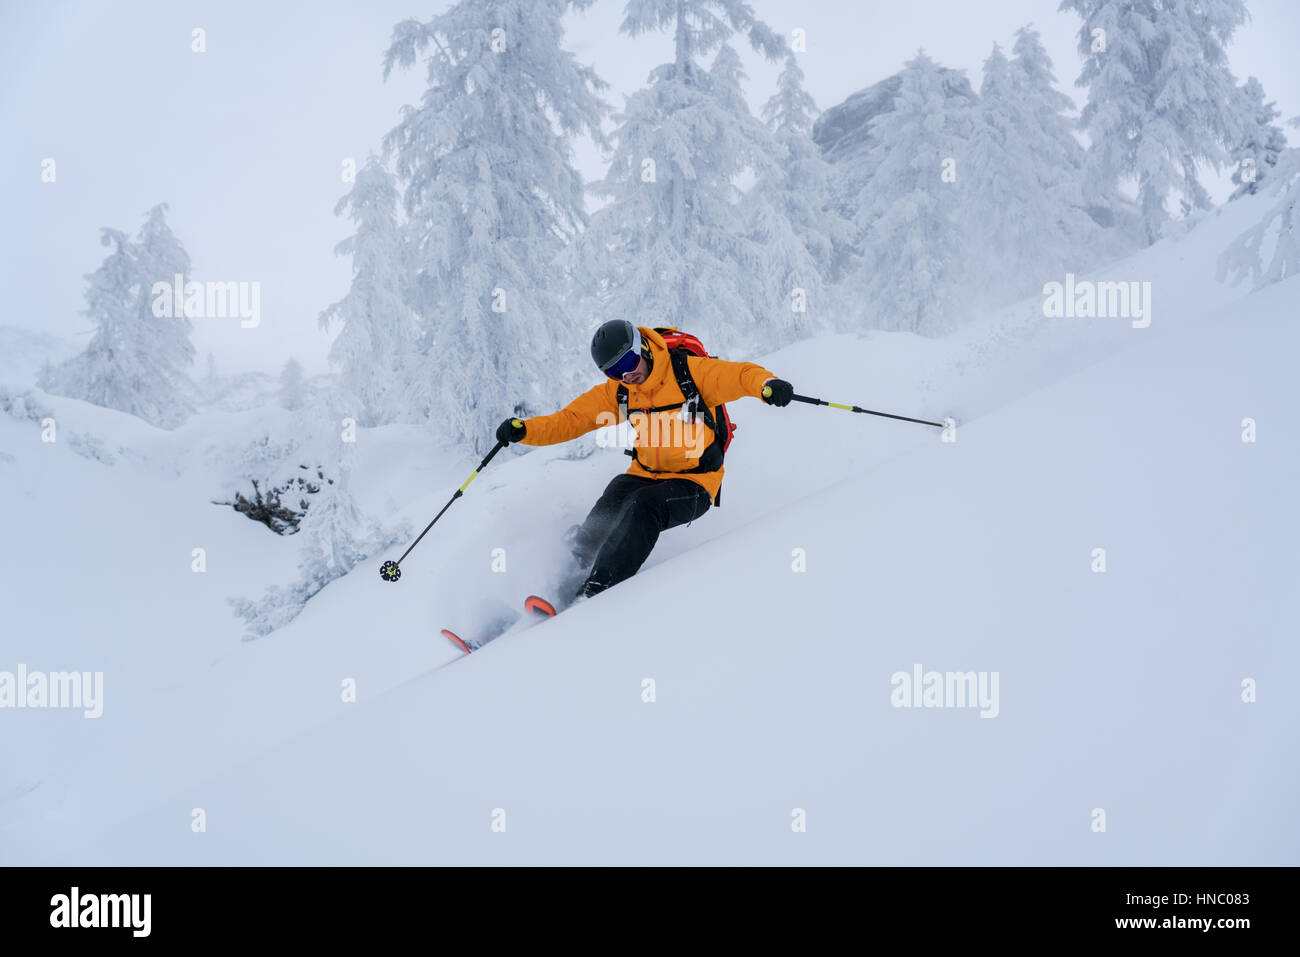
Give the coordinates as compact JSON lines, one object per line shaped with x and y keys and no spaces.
{"x":711,"y":461}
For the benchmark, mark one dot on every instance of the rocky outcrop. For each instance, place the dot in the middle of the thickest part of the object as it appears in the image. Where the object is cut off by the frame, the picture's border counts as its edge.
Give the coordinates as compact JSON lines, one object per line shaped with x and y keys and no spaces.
{"x":843,"y":130}
{"x":281,"y":508}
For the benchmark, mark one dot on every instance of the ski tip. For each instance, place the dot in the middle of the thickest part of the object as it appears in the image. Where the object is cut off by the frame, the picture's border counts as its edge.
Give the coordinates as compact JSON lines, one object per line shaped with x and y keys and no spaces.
{"x":455,"y":639}
{"x":539,"y":606}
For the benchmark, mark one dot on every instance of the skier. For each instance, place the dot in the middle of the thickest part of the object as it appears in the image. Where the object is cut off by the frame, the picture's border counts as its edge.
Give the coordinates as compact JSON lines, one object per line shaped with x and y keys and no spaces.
{"x":676,"y":470}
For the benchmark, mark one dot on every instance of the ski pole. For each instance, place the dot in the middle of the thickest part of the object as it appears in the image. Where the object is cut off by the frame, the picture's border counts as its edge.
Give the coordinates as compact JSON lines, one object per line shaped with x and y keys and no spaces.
{"x":767,"y":391}
{"x":391,"y":571}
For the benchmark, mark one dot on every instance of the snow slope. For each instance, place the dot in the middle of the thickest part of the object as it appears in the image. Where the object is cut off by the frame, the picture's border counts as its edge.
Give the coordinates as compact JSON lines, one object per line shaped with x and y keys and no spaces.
{"x":1119,"y":691}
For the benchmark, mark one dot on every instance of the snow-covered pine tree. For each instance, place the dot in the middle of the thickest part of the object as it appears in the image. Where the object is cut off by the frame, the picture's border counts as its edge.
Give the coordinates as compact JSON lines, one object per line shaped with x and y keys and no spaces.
{"x":336,"y":536}
{"x":783,"y":276}
{"x":135,"y":361}
{"x":491,"y":198}
{"x":160,"y":258}
{"x":1161,"y":99}
{"x":1263,"y":143}
{"x":1279,"y":230}
{"x":672,"y":247}
{"x":1006,"y":211}
{"x":293,"y":389}
{"x":1049,"y":132}
{"x":1023,"y":206}
{"x":377,"y":350}
{"x":803,"y":237}
{"x":1099,"y":226}
{"x":108,"y":372}
{"x":908,"y":214}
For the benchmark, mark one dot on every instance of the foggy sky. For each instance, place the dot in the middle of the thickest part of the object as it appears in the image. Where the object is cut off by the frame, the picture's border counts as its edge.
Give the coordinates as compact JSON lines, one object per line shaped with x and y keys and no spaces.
{"x":246,"y":141}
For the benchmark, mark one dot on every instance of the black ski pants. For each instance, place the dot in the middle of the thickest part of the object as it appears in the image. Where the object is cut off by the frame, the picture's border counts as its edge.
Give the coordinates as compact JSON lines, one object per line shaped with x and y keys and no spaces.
{"x":621,"y":530}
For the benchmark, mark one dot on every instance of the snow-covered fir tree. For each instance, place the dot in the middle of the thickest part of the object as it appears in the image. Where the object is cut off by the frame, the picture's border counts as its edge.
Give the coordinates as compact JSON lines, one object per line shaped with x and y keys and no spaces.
{"x":1276,"y":236}
{"x":335,"y":536}
{"x":1024,"y":210}
{"x":908,"y":213}
{"x":1048,"y":130}
{"x":108,"y":372}
{"x":1263,"y":143}
{"x":672,"y":246}
{"x":784,"y":279}
{"x":1161,"y":99}
{"x":377,"y":351}
{"x":136,"y":361}
{"x":491,"y":198}
{"x":293,"y":388}
{"x":1006,"y":210}
{"x":802,"y":236}
{"x":160,"y":258}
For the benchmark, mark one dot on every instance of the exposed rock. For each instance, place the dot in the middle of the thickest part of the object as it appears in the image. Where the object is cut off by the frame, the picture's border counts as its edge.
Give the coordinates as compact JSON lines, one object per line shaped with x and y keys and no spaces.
{"x":842,"y":131}
{"x":281,"y":508}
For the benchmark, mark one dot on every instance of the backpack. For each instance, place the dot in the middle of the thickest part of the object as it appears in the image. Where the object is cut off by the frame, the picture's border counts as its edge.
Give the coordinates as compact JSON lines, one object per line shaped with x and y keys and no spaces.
{"x":680,"y":345}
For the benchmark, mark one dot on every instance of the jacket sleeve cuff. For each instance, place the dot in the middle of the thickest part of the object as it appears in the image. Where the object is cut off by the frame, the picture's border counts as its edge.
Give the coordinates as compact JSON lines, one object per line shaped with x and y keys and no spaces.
{"x":763,"y":377}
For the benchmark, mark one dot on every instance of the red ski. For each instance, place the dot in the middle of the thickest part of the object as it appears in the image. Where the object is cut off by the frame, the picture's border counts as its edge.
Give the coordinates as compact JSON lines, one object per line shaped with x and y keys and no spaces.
{"x":455,"y":639}
{"x":537,"y":608}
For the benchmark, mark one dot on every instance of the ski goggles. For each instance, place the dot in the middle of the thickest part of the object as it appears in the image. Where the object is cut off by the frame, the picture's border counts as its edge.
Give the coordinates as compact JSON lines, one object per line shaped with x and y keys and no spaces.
{"x":627,"y":362}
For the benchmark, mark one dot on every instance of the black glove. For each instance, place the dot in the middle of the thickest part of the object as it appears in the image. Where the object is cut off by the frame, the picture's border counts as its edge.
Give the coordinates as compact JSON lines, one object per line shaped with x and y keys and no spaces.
{"x":778,"y":392}
{"x":511,"y":430}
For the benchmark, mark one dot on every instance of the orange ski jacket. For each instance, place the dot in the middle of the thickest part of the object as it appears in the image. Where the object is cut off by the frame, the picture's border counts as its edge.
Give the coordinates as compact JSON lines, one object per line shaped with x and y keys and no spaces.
{"x":665,"y":443}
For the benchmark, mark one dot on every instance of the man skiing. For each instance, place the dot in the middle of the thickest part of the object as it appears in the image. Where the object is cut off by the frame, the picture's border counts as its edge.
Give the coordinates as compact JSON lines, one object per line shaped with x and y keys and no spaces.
{"x":676,"y":471}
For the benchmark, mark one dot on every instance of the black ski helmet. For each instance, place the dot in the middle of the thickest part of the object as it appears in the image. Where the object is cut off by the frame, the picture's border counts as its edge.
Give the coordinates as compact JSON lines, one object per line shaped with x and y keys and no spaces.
{"x":612,"y":341}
